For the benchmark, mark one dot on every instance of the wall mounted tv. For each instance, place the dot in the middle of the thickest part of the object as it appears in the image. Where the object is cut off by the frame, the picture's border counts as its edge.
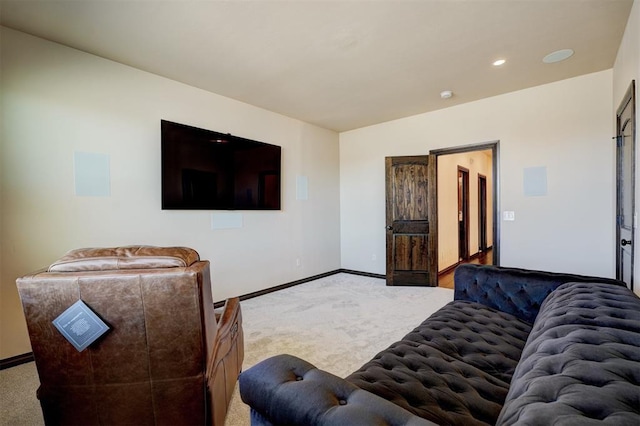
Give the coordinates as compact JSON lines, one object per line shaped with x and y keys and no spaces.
{"x":207,"y":170}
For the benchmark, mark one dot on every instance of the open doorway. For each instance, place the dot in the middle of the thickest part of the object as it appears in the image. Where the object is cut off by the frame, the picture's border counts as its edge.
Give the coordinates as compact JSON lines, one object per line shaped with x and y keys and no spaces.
{"x":468,"y":226}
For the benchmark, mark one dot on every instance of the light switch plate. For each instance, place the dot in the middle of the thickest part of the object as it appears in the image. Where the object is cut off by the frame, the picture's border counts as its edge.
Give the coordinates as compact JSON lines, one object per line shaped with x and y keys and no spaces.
{"x":509,"y":215}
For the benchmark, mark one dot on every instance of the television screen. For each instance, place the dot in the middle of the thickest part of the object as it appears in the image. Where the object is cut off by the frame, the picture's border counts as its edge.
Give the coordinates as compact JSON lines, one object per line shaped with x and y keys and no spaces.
{"x":207,"y":170}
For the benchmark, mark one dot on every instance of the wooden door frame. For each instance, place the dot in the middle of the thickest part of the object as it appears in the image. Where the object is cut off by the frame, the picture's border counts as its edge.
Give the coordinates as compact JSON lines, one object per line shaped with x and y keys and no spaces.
{"x":494,"y":146}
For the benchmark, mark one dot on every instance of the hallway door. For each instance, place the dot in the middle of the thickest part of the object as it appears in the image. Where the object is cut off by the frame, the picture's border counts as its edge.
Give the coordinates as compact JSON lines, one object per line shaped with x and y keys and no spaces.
{"x":463,"y":214}
{"x":482,"y":213}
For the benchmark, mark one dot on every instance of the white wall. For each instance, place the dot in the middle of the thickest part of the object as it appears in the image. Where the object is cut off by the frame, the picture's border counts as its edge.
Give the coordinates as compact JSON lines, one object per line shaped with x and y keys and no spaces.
{"x":626,"y":69}
{"x":564,"y":126}
{"x":58,"y":100}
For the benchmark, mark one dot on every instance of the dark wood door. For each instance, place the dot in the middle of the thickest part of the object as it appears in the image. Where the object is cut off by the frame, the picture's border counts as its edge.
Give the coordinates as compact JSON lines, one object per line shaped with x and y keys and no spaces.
{"x":463,"y":214}
{"x":411,"y":225}
{"x":625,"y":187}
{"x":482,"y":213}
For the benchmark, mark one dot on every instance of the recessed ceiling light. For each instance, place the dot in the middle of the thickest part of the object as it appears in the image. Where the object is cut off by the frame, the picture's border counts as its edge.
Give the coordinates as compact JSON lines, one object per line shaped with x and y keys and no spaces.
{"x":446,"y":94}
{"x":557,"y":56}
{"x":499,"y":62}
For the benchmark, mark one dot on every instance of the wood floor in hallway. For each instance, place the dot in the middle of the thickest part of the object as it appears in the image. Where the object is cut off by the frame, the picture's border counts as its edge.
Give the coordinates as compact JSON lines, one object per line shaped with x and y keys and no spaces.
{"x":445,"y":279}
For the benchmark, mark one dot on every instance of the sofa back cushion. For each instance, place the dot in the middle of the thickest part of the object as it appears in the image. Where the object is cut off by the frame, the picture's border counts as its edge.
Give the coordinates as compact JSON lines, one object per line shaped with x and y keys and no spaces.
{"x":519,"y":292}
{"x":581,"y":361}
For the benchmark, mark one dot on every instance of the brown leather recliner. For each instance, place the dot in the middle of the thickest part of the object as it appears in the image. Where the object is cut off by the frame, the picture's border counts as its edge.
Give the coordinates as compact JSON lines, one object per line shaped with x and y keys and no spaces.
{"x":168,"y":357}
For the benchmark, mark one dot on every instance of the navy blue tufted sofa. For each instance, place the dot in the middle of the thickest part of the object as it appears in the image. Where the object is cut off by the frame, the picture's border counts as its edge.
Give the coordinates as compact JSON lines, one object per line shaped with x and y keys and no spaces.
{"x":514,"y":347}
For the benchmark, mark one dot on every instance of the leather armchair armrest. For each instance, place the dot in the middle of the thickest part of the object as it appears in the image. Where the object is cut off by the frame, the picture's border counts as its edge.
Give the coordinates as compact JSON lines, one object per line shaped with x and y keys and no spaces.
{"x":285,"y":390}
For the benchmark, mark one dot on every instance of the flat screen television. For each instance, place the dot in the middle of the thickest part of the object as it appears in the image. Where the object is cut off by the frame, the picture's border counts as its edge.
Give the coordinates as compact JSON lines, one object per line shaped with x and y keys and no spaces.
{"x":207,"y":170}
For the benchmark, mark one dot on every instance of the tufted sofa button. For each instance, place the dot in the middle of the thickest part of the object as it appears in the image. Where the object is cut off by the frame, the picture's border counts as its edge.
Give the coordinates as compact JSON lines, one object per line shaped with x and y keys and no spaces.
{"x":298,"y":378}
{"x":342,"y":402}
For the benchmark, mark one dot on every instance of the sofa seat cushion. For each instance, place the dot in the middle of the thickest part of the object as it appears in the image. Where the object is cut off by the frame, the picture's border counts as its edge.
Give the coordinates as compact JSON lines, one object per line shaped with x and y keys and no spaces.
{"x":580,"y":364}
{"x":455,"y":368}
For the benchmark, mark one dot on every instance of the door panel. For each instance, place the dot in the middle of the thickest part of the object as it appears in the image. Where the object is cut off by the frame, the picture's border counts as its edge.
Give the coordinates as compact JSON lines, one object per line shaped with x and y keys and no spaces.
{"x":409,"y":191}
{"x":411,"y":220}
{"x":410,"y":250}
{"x":625,"y":187}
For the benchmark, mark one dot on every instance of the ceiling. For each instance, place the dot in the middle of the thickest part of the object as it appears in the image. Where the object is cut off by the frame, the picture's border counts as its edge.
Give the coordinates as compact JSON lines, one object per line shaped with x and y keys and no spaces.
{"x":338,"y":64}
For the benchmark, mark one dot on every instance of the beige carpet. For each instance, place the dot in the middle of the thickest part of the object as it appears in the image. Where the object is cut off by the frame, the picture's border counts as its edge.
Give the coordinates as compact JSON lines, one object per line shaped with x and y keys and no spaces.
{"x":337,"y":323}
